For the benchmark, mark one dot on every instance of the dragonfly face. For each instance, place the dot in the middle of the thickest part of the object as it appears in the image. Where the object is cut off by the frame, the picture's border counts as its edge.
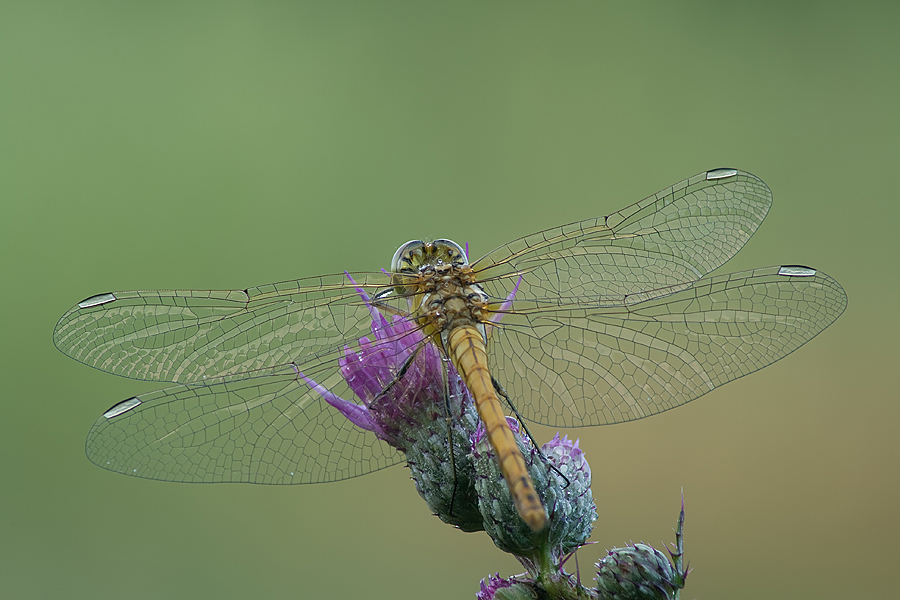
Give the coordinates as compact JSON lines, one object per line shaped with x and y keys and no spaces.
{"x":416,"y":255}
{"x":602,"y":321}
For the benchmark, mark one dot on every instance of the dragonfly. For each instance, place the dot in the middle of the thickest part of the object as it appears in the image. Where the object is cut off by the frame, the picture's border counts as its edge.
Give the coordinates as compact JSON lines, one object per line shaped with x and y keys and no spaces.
{"x":601,"y":321}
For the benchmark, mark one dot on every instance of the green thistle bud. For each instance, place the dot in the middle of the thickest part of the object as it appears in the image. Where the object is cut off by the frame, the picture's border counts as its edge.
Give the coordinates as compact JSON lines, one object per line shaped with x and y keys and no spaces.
{"x":443,"y":473}
{"x":638,"y":572}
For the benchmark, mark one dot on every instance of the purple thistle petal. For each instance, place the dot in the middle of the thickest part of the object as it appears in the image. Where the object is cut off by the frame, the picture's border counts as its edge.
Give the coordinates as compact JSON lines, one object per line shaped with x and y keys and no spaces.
{"x":357,"y":414}
{"x":563,"y":447}
{"x":507,"y":304}
{"x":377,"y":317}
{"x":361,"y":376}
{"x":490,"y":585}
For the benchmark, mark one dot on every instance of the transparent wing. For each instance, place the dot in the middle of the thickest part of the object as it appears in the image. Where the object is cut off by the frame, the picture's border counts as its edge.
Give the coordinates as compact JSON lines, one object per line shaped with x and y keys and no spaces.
{"x":245,"y":413}
{"x":679,"y":234}
{"x":608,"y":324}
{"x":186,"y":335}
{"x":266,"y":426}
{"x":586,"y":362}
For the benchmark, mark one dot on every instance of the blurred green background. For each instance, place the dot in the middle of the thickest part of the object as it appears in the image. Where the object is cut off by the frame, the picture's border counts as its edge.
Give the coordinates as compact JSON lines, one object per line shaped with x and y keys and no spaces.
{"x":220,"y":144}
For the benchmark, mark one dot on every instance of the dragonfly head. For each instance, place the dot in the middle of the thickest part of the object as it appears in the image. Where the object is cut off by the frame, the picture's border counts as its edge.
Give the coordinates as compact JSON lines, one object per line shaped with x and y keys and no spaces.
{"x":416,"y":254}
{"x":416,"y":257}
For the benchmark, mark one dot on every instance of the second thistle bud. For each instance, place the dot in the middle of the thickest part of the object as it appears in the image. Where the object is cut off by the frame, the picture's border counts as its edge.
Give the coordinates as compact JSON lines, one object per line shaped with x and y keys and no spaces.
{"x":638,"y":572}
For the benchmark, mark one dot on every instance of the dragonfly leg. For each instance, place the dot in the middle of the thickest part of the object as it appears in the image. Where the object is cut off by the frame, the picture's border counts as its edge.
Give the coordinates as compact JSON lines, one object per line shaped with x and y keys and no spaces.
{"x":400,"y":374}
{"x":448,"y":416}
{"x":502,"y":393}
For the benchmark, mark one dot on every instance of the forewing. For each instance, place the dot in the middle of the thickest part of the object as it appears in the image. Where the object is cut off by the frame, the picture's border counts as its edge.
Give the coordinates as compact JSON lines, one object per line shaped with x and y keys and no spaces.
{"x":592,"y":363}
{"x":677,"y":235}
{"x":186,"y":335}
{"x":266,"y":426}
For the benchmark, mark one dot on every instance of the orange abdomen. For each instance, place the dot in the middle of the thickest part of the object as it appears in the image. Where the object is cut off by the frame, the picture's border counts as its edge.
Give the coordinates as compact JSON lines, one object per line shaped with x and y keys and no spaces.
{"x":466,"y":349}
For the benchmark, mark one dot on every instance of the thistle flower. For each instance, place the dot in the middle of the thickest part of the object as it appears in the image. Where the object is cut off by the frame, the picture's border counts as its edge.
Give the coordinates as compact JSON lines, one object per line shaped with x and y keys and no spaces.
{"x":411,"y":412}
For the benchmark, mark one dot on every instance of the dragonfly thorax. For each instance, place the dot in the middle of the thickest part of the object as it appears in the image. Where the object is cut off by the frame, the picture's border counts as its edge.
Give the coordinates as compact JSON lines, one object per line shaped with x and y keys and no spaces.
{"x":441,"y":286}
{"x":444,"y":301}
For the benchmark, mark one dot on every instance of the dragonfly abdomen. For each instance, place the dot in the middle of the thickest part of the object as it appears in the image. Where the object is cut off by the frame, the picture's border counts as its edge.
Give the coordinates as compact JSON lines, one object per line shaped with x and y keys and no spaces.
{"x":466,"y":349}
